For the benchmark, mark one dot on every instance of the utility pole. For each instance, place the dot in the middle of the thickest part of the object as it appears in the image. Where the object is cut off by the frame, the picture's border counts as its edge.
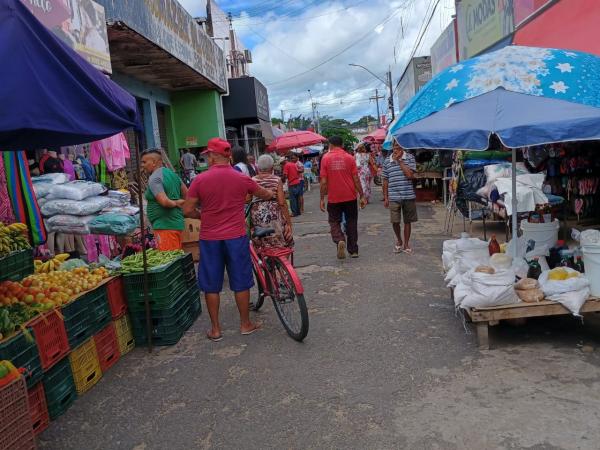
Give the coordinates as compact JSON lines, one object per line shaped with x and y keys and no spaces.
{"x":391,"y":99}
{"x":376,"y":98}
{"x":282,"y":116}
{"x":315,"y":113}
{"x":232,"y":50}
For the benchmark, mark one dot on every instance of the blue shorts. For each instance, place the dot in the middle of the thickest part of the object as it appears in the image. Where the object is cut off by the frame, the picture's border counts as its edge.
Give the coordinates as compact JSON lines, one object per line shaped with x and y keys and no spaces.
{"x":215,"y":256}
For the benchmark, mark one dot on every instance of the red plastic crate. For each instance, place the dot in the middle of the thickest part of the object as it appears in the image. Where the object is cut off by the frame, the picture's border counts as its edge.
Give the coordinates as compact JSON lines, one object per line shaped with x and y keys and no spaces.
{"x":51,"y":338}
{"x":16,"y":431}
{"x":107,"y":347}
{"x":38,"y":408}
{"x":116,"y":297}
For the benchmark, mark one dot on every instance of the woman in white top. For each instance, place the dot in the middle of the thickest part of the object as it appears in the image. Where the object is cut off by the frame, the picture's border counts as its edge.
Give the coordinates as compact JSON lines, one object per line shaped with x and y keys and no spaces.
{"x":240,"y":162}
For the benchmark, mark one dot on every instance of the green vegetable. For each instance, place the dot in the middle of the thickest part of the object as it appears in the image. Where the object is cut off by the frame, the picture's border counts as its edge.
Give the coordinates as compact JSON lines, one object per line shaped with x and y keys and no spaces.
{"x":155,"y":258}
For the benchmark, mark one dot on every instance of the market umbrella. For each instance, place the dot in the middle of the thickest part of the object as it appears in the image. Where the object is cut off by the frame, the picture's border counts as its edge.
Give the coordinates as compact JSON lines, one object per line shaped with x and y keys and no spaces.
{"x":295,"y":139}
{"x":377,"y":136}
{"x":524,"y":95}
{"x":50,"y":95}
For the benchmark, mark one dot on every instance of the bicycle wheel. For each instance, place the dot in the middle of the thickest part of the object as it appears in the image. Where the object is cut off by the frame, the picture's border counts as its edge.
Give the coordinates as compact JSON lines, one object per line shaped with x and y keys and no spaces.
{"x":255,"y":305}
{"x":290,"y":306}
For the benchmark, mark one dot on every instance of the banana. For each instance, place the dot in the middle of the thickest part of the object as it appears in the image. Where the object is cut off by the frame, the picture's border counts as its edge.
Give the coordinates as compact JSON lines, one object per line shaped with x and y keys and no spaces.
{"x":62,"y":257}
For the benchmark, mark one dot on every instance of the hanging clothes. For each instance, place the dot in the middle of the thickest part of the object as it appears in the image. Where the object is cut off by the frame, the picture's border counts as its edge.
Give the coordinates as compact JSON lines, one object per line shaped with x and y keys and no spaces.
{"x":6,"y":212}
{"x":69,"y":169}
{"x":119,"y":179}
{"x":22,"y":196}
{"x":87,"y":172}
{"x":113,"y":150}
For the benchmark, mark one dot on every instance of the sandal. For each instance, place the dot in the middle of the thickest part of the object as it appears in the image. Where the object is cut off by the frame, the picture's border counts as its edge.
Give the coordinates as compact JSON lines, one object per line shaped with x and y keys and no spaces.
{"x":408,"y":251}
{"x":214,"y":338}
{"x":257,"y":327}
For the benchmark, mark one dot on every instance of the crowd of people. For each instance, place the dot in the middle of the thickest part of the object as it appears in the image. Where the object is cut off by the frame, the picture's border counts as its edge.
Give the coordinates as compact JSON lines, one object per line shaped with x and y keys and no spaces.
{"x":236,"y":184}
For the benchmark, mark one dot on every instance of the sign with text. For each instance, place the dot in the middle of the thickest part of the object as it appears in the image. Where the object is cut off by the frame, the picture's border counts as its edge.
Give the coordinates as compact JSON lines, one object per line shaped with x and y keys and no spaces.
{"x":482,"y":23}
{"x":443,"y":51}
{"x":81,"y":24}
{"x":167,"y":24}
{"x":525,"y":8}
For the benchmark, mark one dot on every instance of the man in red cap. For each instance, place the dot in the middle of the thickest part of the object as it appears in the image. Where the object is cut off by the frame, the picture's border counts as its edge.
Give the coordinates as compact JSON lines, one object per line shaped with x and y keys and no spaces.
{"x":218,"y":197}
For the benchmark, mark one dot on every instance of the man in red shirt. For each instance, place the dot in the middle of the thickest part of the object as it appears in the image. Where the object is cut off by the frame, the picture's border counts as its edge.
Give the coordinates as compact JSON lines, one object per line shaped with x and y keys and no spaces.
{"x":220,"y":194}
{"x":340,"y":182}
{"x":294,"y":177}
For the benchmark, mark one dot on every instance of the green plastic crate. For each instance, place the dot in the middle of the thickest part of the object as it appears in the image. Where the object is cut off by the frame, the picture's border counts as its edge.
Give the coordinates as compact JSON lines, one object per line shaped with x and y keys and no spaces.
{"x":22,"y":351}
{"x":59,"y":388}
{"x":134,"y":282}
{"x":86,"y":316}
{"x":189,"y":270}
{"x":159,"y":297}
{"x":17,"y":265}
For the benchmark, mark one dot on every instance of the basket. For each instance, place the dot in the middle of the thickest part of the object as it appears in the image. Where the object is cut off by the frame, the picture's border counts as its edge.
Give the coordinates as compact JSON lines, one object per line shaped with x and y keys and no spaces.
{"x":161,"y":296}
{"x":59,"y":388}
{"x":116,"y":297}
{"x":21,"y":350}
{"x":189,"y":270}
{"x":17,"y":265}
{"x":124,"y":334}
{"x":107,"y":347}
{"x":51,"y":338}
{"x":16,"y":431}
{"x":85,"y":366}
{"x":38,"y":408}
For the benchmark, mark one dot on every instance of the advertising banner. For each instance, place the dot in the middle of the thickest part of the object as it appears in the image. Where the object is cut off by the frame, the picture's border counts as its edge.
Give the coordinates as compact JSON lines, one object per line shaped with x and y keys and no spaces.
{"x":443,"y":51}
{"x":167,"y":24}
{"x":525,"y":8}
{"x":482,"y":23}
{"x":79,"y":23}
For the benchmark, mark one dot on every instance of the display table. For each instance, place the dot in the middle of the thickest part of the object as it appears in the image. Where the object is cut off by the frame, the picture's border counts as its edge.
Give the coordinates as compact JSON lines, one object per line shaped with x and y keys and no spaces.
{"x":483,"y":318}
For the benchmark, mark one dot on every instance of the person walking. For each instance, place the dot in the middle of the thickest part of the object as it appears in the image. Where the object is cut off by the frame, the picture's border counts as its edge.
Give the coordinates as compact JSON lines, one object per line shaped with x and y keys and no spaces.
{"x":220,"y":193}
{"x":364,"y":163}
{"x":399,"y":194}
{"x":240,"y":162}
{"x":188,"y":164}
{"x":165,"y":196}
{"x":252,"y":168}
{"x":293,"y":176}
{"x":340,"y":184}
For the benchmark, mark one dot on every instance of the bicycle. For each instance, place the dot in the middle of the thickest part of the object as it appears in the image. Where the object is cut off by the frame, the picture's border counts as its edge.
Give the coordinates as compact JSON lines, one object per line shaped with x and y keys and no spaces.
{"x":276,"y":278}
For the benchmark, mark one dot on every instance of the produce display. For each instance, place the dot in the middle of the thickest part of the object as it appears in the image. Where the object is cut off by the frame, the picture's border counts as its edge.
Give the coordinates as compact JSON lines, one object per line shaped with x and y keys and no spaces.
{"x":51,"y":265}
{"x":155,"y":258}
{"x":13,"y":237}
{"x":13,"y":317}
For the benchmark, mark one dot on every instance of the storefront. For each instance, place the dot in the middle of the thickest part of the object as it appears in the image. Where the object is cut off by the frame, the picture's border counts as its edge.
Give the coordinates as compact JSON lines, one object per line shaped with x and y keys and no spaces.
{"x":247,"y":115}
{"x":415,"y":76}
{"x":444,"y":51}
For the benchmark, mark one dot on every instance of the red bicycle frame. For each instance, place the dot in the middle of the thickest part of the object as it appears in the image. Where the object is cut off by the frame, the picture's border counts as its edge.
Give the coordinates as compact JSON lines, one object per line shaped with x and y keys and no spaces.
{"x":260,"y":261}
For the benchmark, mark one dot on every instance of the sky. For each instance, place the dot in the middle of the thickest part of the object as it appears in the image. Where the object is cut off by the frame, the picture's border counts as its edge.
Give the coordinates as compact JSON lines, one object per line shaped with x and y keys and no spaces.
{"x":302,"y":45}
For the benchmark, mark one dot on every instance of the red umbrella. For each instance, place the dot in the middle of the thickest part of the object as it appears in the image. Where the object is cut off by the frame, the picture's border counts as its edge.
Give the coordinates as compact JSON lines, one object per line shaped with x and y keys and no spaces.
{"x":295,"y":139}
{"x":377,"y":136}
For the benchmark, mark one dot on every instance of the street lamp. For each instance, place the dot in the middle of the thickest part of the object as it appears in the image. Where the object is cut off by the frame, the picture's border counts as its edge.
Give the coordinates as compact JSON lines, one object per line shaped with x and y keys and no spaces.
{"x":388,"y":83}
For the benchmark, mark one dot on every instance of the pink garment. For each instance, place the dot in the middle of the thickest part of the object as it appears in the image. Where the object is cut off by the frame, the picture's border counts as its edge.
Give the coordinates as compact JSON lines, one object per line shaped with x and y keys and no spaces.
{"x":6,"y":212}
{"x":90,"y":245}
{"x":113,"y":150}
{"x":69,"y":169}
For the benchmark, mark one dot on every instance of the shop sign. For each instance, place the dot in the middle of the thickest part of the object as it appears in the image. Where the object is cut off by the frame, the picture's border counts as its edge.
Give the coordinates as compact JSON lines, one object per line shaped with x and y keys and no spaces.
{"x":191,"y":141}
{"x":167,"y":24}
{"x":262,"y":101}
{"x":81,"y":24}
{"x":482,"y":23}
{"x":443,"y":51}
{"x":524,"y":9}
{"x":406,"y":87}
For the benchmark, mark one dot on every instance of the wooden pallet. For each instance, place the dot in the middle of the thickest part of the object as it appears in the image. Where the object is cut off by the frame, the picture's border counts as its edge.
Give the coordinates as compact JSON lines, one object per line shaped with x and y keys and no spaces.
{"x":483,"y":318}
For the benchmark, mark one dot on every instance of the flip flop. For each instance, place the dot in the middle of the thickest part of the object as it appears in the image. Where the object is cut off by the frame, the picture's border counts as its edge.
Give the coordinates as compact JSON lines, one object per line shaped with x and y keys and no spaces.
{"x":408,"y":251}
{"x":398,"y":249}
{"x":214,"y":338}
{"x":249,"y":332}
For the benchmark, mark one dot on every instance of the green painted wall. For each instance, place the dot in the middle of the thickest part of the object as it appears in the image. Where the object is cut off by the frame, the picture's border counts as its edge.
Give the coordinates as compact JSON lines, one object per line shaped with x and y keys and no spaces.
{"x":196,"y":114}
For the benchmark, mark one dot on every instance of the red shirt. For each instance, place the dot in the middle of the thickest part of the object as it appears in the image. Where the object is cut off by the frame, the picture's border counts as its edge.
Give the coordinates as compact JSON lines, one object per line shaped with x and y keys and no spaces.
{"x":339,"y":168}
{"x":222,"y":193}
{"x":290,"y":170}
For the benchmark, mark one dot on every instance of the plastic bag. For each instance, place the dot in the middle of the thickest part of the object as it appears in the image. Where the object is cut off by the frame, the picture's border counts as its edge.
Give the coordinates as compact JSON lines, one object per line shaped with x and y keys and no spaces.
{"x":63,"y":223}
{"x":448,"y":253}
{"x":90,"y":205}
{"x":78,"y":190}
{"x":71,"y":264}
{"x":114,"y":224}
{"x":51,"y":178}
{"x":490,"y":290}
{"x":42,"y":189}
{"x":572,"y":300}
{"x":501,"y":261}
{"x":588,"y":237}
{"x":557,"y":287}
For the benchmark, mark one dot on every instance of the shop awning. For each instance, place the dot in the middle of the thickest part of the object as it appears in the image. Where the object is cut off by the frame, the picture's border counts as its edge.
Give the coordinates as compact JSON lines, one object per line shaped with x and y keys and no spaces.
{"x":50,"y":95}
{"x":569,"y":24}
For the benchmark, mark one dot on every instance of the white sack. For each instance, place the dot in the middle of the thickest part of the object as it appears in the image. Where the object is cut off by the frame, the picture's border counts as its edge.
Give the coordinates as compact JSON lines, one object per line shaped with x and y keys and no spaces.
{"x":51,"y":178}
{"x":557,"y":287}
{"x":78,"y":190}
{"x":490,"y":290}
{"x":69,"y":224}
{"x":91,"y":205}
{"x":462,"y":289}
{"x":573,"y":300}
{"x":448,"y":253}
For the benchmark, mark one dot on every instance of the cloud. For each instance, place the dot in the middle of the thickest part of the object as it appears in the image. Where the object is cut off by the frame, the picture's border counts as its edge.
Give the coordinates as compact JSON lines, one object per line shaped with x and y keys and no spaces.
{"x":289,"y":37}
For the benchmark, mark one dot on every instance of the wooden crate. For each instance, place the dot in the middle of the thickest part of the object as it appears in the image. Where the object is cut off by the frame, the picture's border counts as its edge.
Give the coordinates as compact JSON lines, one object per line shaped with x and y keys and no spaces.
{"x":191,"y":232}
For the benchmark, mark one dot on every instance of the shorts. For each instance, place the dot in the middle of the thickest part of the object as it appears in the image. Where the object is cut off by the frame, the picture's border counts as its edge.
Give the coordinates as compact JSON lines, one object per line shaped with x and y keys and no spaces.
{"x":169,"y":240}
{"x":405,"y":208}
{"x":230,"y":254}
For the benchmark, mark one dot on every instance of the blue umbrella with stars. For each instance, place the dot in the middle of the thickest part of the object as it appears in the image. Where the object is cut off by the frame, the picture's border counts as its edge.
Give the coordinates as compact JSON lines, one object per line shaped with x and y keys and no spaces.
{"x":525,"y":95}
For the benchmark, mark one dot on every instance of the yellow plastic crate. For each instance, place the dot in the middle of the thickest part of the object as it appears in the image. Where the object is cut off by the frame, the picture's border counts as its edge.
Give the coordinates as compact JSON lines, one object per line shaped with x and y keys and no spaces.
{"x":124,"y":334}
{"x":85,"y":366}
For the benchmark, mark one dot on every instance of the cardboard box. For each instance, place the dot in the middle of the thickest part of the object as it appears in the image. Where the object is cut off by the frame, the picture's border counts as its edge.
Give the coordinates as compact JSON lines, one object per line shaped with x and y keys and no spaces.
{"x":194,"y":249}
{"x":191,"y":232}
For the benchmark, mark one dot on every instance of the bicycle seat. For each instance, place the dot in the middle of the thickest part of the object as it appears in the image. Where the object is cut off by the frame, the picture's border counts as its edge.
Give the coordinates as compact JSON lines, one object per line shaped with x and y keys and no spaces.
{"x":262,"y":232}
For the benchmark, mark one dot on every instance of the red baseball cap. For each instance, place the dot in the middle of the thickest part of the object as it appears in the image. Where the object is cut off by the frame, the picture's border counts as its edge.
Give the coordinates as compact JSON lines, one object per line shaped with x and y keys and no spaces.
{"x":218,"y":145}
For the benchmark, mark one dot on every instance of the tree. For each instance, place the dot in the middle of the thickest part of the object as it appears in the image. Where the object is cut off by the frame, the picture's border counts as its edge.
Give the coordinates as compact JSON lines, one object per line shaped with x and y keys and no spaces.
{"x":364,"y":121}
{"x":345,"y":133}
{"x":276,"y":121}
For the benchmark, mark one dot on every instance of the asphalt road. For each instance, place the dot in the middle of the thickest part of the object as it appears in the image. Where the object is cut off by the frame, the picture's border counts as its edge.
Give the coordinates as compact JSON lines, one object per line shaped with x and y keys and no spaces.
{"x":387,"y":364}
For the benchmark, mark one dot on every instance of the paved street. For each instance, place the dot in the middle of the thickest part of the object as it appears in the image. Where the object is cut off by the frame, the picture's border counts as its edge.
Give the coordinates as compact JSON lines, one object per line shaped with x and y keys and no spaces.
{"x":387,"y":364}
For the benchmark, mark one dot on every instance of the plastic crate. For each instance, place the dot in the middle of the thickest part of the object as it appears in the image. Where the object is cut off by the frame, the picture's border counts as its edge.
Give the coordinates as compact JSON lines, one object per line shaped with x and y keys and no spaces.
{"x":116,"y":298}
{"x":156,"y":278}
{"x":85,"y":366}
{"x":59,"y":388}
{"x":16,"y":431}
{"x":50,"y":337}
{"x":124,"y":334}
{"x":107,"y":347}
{"x":86,"y":315}
{"x":38,"y":408}
{"x":161,"y":296}
{"x":99,"y":314}
{"x":21,"y":350}
{"x":189,"y":270}
{"x":17,"y":265}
